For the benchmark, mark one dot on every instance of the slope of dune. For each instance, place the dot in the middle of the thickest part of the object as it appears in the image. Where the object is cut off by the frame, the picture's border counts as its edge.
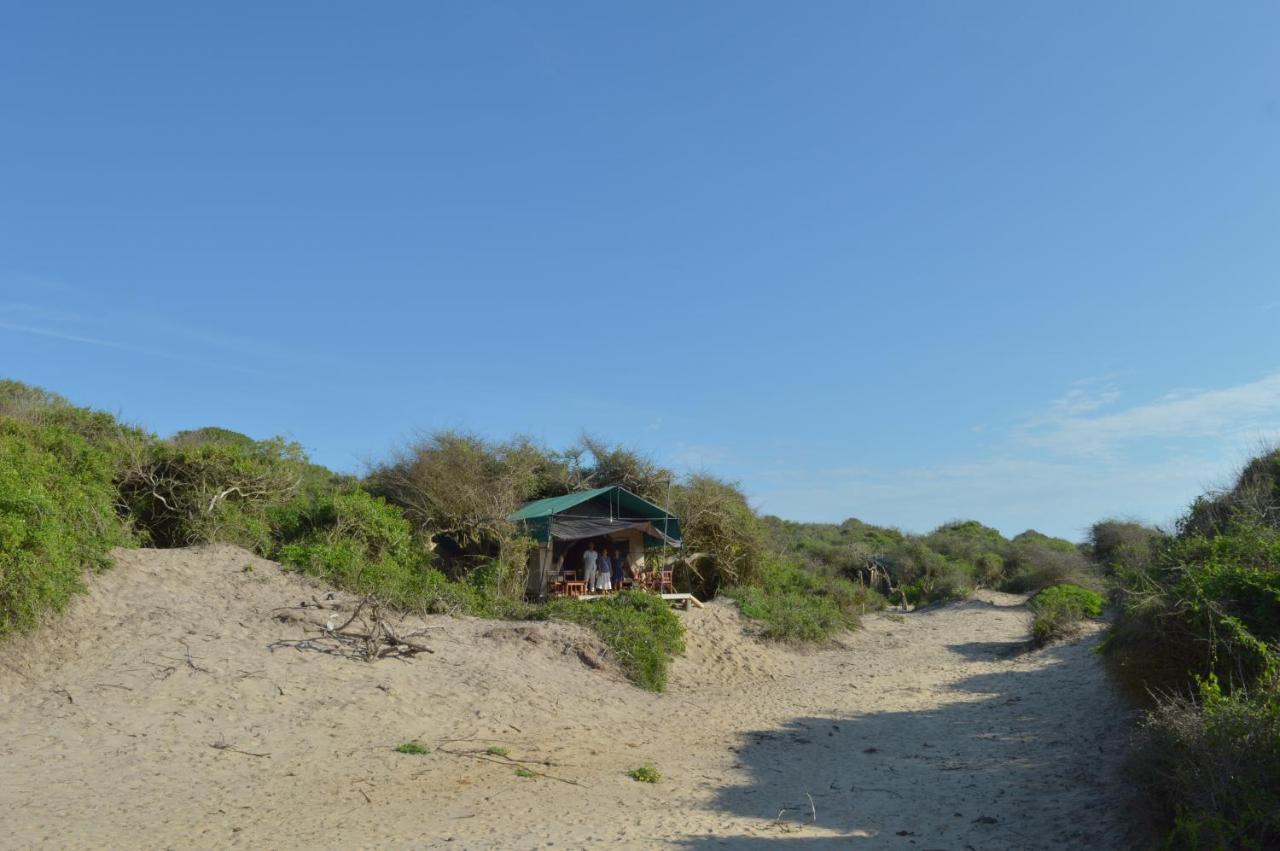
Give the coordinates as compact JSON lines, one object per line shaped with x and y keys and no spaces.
{"x":158,"y":714}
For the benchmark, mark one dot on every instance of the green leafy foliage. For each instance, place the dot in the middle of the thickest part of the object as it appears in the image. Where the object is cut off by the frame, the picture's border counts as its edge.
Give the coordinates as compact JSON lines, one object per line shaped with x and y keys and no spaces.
{"x":413,"y":748}
{"x":1123,"y":545}
{"x":1058,"y":611}
{"x":217,"y":490}
{"x":645,"y":774}
{"x":639,"y":628}
{"x":1199,"y":628}
{"x":1210,"y":764}
{"x":356,"y":541}
{"x":721,"y":531}
{"x":57,"y":518}
{"x":796,"y":605}
{"x":946,"y":564}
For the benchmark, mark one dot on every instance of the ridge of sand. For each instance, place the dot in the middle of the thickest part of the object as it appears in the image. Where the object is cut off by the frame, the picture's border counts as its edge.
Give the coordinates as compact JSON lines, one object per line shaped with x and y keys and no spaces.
{"x":923,"y":731}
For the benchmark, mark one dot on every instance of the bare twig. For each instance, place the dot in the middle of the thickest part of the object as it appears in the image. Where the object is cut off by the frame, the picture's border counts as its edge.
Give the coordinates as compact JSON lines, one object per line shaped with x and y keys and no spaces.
{"x":508,"y":761}
{"x":223,"y":746}
{"x":374,"y":638}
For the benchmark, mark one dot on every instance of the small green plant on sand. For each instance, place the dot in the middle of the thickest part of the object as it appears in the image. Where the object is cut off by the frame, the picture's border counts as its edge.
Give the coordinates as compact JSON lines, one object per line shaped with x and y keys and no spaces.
{"x":496,"y":750}
{"x":524,"y":772}
{"x":1060,"y":609}
{"x":645,"y":774}
{"x":413,"y":748}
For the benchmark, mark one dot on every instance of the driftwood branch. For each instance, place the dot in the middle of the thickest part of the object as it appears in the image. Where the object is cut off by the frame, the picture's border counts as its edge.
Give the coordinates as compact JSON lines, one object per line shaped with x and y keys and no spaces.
{"x":367,"y":634}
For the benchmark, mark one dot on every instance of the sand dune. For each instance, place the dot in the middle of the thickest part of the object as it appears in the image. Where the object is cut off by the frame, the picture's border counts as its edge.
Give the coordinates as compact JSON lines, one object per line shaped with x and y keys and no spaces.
{"x":156,"y":715}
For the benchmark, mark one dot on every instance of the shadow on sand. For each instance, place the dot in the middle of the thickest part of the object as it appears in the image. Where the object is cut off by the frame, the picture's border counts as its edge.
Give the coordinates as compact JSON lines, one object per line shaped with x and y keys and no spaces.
{"x":1021,"y":759}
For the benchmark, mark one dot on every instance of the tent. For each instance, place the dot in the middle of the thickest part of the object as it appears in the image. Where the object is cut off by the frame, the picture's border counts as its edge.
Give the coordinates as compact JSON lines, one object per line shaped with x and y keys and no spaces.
{"x":560,"y":525}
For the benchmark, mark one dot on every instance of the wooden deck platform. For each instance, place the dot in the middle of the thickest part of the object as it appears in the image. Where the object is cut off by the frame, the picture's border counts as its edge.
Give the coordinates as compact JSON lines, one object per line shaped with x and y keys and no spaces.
{"x":684,"y":601}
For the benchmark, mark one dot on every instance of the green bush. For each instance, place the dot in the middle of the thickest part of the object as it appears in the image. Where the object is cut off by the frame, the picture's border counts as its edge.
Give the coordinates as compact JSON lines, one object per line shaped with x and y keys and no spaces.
{"x":717,"y":520}
{"x":211,"y":491}
{"x":1210,"y":605}
{"x":796,"y":605}
{"x":1032,"y":565}
{"x":1118,"y":545}
{"x":1210,"y":766}
{"x":356,"y":541}
{"x":924,"y":575}
{"x":645,"y":774}
{"x":57,"y":518}
{"x":36,"y":406}
{"x":1060,"y":609}
{"x":639,"y":628}
{"x":1202,"y":609}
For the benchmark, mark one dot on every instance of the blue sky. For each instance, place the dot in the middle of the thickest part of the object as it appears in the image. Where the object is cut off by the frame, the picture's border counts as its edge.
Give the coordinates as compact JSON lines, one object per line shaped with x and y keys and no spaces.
{"x":908,"y":262}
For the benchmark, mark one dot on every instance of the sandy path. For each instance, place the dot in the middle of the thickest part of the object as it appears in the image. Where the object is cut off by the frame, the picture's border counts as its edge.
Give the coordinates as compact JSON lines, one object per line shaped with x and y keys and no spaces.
{"x":918,"y":732}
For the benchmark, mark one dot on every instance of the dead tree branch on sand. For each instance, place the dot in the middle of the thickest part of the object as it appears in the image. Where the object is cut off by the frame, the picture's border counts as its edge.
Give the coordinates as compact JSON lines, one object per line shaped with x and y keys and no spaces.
{"x":502,"y":759}
{"x":367,"y":635}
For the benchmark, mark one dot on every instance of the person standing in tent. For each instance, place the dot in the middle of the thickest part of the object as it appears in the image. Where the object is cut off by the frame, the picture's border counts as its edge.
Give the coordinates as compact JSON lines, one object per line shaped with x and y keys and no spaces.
{"x":589,"y":566}
{"x":619,"y":568}
{"x":604,"y":575}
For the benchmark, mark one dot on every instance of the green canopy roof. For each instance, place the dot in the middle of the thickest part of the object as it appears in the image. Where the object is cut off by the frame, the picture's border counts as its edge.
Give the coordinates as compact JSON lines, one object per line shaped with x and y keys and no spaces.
{"x":610,"y":507}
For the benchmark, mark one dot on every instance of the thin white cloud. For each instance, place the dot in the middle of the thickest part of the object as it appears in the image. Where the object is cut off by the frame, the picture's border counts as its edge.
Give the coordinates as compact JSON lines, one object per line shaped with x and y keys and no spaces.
{"x":1245,"y":410}
{"x":72,"y":338}
{"x":1082,"y":459}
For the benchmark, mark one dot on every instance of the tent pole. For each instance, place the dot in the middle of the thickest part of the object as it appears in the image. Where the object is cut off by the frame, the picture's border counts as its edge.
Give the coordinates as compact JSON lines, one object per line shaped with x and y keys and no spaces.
{"x":666,"y":532}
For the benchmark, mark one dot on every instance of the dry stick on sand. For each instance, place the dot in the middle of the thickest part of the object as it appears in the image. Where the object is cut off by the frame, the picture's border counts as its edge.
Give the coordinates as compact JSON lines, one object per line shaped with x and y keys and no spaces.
{"x":223,"y":746}
{"x":506,"y":760}
{"x":378,"y":640}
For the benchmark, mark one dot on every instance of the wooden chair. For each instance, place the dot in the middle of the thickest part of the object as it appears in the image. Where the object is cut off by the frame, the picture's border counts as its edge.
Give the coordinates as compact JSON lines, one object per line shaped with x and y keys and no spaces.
{"x":666,"y":583}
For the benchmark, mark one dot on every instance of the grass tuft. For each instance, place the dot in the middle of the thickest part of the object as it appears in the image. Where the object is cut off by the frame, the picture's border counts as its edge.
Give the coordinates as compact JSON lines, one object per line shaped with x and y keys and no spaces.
{"x":414,"y":748}
{"x":645,"y":774}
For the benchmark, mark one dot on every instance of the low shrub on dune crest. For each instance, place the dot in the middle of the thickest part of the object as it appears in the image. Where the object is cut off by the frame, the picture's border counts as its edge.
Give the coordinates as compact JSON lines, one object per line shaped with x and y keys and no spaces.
{"x":1060,"y":609}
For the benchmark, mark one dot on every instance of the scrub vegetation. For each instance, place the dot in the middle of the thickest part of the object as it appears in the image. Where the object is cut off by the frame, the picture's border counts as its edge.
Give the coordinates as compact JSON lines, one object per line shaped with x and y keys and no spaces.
{"x":1198,"y":635}
{"x":1060,"y":609}
{"x":947,"y":563}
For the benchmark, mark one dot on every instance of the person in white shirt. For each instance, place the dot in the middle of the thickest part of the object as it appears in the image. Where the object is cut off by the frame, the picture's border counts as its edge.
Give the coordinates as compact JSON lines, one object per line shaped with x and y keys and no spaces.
{"x":589,"y":565}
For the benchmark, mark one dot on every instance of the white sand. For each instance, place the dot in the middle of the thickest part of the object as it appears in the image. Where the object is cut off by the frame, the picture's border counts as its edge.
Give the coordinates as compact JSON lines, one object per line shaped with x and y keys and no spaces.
{"x":923,"y":725}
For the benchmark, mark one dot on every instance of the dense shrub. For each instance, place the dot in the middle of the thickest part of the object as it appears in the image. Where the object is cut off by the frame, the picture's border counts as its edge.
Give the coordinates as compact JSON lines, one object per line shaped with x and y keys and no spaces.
{"x":57,"y":518}
{"x":356,"y":541}
{"x":722,"y":534}
{"x":1059,"y":610}
{"x":214,"y":490}
{"x":459,"y":490}
{"x":1253,"y":499}
{"x":1198,"y":632}
{"x":1118,"y":545}
{"x":1210,"y":765}
{"x":1211,"y":605}
{"x":639,"y":628}
{"x":946,"y":564}
{"x":794,"y":604}
{"x":1030,"y":566}
{"x":924,"y":575}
